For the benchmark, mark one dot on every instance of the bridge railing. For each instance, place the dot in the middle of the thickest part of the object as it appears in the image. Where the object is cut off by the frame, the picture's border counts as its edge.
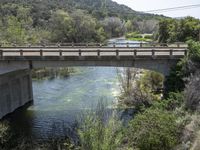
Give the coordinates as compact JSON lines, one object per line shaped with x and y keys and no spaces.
{"x":107,"y":44}
{"x":142,"y":52}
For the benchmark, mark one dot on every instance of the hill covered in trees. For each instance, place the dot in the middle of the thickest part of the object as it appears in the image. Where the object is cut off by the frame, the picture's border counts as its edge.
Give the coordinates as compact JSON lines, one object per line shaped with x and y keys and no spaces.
{"x":33,"y":21}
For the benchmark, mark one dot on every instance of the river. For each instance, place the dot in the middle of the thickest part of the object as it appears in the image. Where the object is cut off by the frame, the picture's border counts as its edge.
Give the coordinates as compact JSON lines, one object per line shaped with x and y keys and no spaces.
{"x":59,"y":101}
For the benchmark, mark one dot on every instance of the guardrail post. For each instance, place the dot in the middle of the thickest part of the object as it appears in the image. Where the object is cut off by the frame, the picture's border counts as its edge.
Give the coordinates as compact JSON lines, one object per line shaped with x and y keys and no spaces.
{"x":186,"y":52}
{"x":178,"y":44}
{"x":1,"y":54}
{"x":117,"y":52}
{"x":41,"y":52}
{"x":98,"y":53}
{"x":79,"y":53}
{"x":86,"y":44}
{"x":60,"y":52}
{"x":72,"y":44}
{"x":114,"y":44}
{"x":141,"y":44}
{"x":21,"y":52}
{"x":135,"y":52}
{"x":153,"y":53}
{"x":100,"y":45}
{"x":127,"y":44}
{"x":171,"y":52}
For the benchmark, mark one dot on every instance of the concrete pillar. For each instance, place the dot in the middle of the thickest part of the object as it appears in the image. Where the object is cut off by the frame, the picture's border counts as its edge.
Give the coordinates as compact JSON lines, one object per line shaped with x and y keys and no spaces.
{"x":15,"y":90}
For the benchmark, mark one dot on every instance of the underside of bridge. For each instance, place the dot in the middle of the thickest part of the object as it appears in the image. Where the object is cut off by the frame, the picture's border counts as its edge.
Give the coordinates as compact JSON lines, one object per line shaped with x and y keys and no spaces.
{"x":158,"y":64}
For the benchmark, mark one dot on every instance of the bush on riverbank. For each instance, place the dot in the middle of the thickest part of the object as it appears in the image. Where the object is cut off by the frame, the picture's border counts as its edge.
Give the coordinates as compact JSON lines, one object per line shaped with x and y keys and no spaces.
{"x":4,"y":134}
{"x":139,"y":88}
{"x":167,"y":124}
{"x":154,"y":129}
{"x":100,"y":131}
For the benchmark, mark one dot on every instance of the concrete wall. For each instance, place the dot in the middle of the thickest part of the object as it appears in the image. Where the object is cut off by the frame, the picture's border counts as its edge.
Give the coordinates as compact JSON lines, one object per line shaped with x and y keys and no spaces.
{"x":15,"y":90}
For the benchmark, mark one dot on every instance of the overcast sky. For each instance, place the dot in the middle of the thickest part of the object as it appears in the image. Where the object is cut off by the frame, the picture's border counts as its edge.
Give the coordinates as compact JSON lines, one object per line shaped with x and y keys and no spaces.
{"x":145,"y":5}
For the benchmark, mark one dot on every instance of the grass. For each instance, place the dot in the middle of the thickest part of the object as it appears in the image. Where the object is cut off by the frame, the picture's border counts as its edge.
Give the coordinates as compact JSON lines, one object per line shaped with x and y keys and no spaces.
{"x":140,"y":39}
{"x":135,"y":36}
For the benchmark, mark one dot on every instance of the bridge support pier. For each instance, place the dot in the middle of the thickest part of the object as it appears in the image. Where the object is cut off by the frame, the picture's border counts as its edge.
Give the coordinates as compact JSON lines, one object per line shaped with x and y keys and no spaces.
{"x":15,"y":90}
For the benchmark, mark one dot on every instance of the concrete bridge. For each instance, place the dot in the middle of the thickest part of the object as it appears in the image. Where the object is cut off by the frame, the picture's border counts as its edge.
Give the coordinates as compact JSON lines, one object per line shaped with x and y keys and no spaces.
{"x":17,"y":61}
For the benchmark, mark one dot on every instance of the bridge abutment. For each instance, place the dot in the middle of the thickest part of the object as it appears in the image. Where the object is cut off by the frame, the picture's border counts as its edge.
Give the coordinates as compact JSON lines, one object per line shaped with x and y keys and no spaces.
{"x":15,"y":90}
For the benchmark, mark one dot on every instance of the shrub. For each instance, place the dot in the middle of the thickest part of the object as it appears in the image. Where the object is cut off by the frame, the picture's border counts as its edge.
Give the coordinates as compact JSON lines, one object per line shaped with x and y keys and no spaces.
{"x":97,"y":133}
{"x":194,"y":51}
{"x":174,"y":82}
{"x":174,"y":100}
{"x":151,"y":81}
{"x":133,"y":35}
{"x":139,"y":91}
{"x":4,"y":134}
{"x":153,"y":129}
{"x":148,"y":36}
{"x":192,"y":95}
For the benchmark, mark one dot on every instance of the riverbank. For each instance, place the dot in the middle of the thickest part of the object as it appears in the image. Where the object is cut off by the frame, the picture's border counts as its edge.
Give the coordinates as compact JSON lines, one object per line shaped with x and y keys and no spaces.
{"x":134,"y":36}
{"x":52,"y":73}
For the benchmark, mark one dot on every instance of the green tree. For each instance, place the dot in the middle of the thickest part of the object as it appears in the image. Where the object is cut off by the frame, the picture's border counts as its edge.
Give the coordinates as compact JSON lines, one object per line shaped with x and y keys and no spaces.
{"x":194,"y":51}
{"x":113,"y":26}
{"x":62,"y":27}
{"x":166,"y":27}
{"x":188,"y":29}
{"x":84,"y":26}
{"x":129,"y":26}
{"x":173,"y":30}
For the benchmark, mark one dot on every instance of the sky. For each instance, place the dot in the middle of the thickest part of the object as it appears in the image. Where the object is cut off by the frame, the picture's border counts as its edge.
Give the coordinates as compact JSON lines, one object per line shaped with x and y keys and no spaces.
{"x":145,"y":5}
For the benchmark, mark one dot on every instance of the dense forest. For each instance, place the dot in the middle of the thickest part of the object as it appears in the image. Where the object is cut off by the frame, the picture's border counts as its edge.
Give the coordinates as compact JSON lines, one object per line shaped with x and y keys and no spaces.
{"x":36,"y":21}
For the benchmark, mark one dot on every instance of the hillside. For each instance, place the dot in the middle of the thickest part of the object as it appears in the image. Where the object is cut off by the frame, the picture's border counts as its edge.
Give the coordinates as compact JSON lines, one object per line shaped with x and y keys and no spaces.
{"x":98,"y":8}
{"x":70,"y":20}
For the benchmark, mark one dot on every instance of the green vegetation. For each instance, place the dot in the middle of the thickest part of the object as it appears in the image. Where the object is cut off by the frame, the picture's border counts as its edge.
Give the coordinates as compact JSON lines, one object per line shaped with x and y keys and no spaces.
{"x":135,"y":36}
{"x":4,"y":134}
{"x":97,"y":133}
{"x":50,"y":73}
{"x":154,"y":129}
{"x":163,"y":123}
{"x":174,"y":30}
{"x":139,"y":92}
{"x":166,"y":114}
{"x":46,"y":21}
